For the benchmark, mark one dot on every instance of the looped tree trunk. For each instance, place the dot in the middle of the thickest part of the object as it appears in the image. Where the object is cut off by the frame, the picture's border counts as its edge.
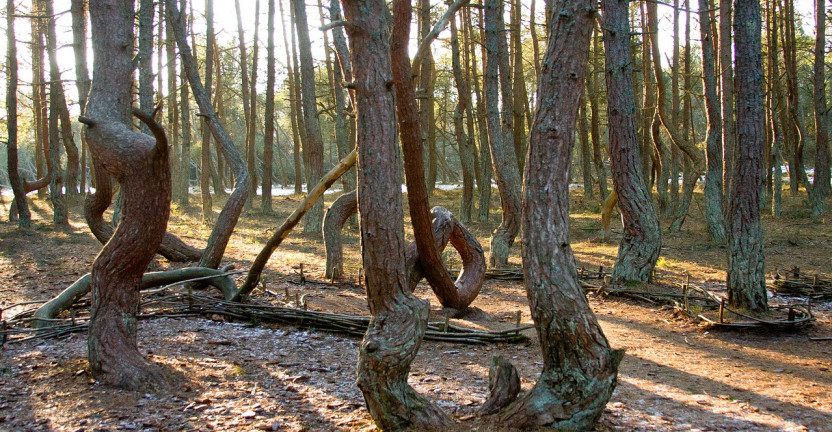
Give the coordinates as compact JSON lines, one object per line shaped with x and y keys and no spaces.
{"x":446,"y":228}
{"x":336,"y":216}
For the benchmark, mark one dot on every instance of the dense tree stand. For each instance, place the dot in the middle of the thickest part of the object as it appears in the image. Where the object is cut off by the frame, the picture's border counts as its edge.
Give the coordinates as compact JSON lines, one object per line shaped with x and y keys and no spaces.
{"x":642,"y":240}
{"x":398,"y":318}
{"x":140,"y":164}
{"x":579,"y":368}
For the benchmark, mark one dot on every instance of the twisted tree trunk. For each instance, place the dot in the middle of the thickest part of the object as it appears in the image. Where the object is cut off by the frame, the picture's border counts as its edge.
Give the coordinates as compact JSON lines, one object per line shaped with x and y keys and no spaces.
{"x":642,"y":240}
{"x":140,"y":164}
{"x":579,"y":368}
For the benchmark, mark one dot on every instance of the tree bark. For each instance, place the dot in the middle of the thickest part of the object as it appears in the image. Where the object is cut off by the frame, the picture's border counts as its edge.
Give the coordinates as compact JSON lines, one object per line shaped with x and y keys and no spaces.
{"x":746,"y":263}
{"x":820,"y":187}
{"x":78,"y":9}
{"x":519,"y":86}
{"x":24,"y":216}
{"x":253,"y":125}
{"x":409,"y":131}
{"x":313,"y":146}
{"x":293,"y":114}
{"x":579,"y":368}
{"x":595,"y":123}
{"x":227,"y":220}
{"x":268,"y":135}
{"x":205,"y":151}
{"x":336,"y":215}
{"x":146,"y":12}
{"x":464,"y":143}
{"x":726,"y":74}
{"x":586,"y":150}
{"x":398,"y":318}
{"x":482,"y":128}
{"x":58,"y":179}
{"x":140,"y":164}
{"x":500,"y":138}
{"x":427,"y":112}
{"x":344,"y":127}
{"x":642,"y":242}
{"x":249,"y":154}
{"x":713,"y":150}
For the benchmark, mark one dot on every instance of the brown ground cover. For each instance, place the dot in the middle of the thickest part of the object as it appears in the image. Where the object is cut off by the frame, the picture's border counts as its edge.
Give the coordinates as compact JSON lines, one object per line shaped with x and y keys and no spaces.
{"x":248,"y":376}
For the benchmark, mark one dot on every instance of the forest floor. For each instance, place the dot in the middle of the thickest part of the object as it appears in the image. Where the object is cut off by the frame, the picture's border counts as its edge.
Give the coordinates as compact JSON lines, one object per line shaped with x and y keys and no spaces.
{"x":676,"y":374}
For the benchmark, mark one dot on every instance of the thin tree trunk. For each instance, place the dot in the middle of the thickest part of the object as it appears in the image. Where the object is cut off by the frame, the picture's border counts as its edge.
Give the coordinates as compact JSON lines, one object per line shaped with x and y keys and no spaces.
{"x":268,"y":137}
{"x":180,"y":195}
{"x":293,"y":114}
{"x":675,"y":116}
{"x":427,"y":110}
{"x":185,"y":118}
{"x":502,"y":153}
{"x":726,"y":74}
{"x":249,"y":154}
{"x":141,"y":165}
{"x":253,"y":126}
{"x":398,"y":318}
{"x":595,"y":123}
{"x":746,"y":262}
{"x":57,"y":179}
{"x":586,"y":150}
{"x":482,"y":128}
{"x":24,"y":216}
{"x":39,"y":103}
{"x":820,"y":188}
{"x":579,"y":368}
{"x":205,"y":151}
{"x":342,"y":124}
{"x":519,"y":86}
{"x":466,"y":151}
{"x":776,"y":124}
{"x":146,"y":12}
{"x":227,"y":220}
{"x":82,"y":75}
{"x":713,"y":149}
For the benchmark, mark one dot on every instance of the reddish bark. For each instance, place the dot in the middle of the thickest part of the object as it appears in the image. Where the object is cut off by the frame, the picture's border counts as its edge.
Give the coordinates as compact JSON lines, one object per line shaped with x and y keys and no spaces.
{"x":140,"y":164}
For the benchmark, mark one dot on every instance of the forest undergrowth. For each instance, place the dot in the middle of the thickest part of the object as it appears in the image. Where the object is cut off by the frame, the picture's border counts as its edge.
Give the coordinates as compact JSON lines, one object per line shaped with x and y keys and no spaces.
{"x":676,"y":375}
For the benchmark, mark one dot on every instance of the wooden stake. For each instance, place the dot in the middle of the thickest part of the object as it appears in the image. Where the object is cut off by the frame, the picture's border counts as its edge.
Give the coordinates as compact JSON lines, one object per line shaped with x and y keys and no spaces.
{"x":721,"y":309}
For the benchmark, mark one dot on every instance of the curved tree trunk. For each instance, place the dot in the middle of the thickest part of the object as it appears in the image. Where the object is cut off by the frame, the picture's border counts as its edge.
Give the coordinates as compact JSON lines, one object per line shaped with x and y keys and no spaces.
{"x":642,"y":240}
{"x":713,"y":180}
{"x":227,"y":220}
{"x":20,"y":203}
{"x":746,"y":262}
{"x":579,"y":368}
{"x":345,"y":206}
{"x":500,"y":138}
{"x":398,"y":318}
{"x":140,"y":163}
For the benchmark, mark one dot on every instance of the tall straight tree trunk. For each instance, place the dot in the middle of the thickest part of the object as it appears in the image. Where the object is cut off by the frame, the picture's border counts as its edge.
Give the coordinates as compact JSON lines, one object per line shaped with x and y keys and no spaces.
{"x":82,"y":76}
{"x":746,"y":262}
{"x":776,"y":124}
{"x":726,"y":74}
{"x":586,"y":149}
{"x":342,"y":124}
{"x":252,"y":120}
{"x":675,"y":115}
{"x":146,"y":12}
{"x":268,"y":137}
{"x":595,"y":123}
{"x":820,"y":188}
{"x":795,"y":124}
{"x":39,"y":103}
{"x":313,"y":146}
{"x":205,"y":151}
{"x":642,"y":242}
{"x":579,"y":368}
{"x":185,"y":118}
{"x":648,"y":114}
{"x":427,"y":111}
{"x":465,"y":145}
{"x":502,"y":152}
{"x":57,"y":179}
{"x":178,"y":175}
{"x":482,"y":128}
{"x":141,"y":165}
{"x":713,"y":148}
{"x":252,"y":188}
{"x":293,"y":114}
{"x":519,"y":86}
{"x":399,"y":319}
{"x":24,"y":216}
